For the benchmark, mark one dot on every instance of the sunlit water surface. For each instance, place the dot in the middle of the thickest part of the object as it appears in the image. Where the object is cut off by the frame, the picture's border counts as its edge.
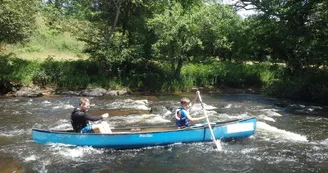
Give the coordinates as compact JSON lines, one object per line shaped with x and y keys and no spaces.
{"x":284,"y":141}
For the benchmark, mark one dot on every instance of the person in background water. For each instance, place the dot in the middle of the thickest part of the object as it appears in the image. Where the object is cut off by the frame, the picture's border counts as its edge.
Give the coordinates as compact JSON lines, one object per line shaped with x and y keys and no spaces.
{"x":80,"y":120}
{"x":182,"y":116}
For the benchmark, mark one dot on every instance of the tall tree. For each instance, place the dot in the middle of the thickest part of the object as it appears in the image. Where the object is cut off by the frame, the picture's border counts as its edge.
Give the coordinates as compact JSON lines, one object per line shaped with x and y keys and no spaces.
{"x":177,"y":34}
{"x":17,"y":20}
{"x":293,"y":31}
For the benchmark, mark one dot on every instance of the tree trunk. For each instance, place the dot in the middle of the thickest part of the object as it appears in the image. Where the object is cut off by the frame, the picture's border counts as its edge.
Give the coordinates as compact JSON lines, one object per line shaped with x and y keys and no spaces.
{"x":116,"y":18}
{"x":178,"y":69}
{"x":108,"y":35}
{"x":58,"y":4}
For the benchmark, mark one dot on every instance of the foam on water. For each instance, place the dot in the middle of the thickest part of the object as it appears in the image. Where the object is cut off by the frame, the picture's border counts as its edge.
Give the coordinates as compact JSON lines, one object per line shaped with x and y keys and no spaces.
{"x":266,"y":118}
{"x":197,"y":110}
{"x":46,"y":102}
{"x":13,"y":133}
{"x":130,"y":104}
{"x":280,"y":134}
{"x":271,"y":112}
{"x":156,"y":120}
{"x":29,"y":102}
{"x":62,"y":127}
{"x":30,"y":158}
{"x":15,"y":112}
{"x":63,"y":106}
{"x":73,"y":152}
{"x":324,"y":142}
{"x":198,"y":113}
{"x":198,"y":106}
{"x":238,"y":116}
{"x":249,"y":150}
{"x":62,"y":124}
{"x":229,"y":106}
{"x":277,"y":159}
{"x":167,"y":114}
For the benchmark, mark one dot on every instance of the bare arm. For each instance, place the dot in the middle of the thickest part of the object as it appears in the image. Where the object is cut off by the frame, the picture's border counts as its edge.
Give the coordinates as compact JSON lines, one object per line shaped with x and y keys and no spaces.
{"x":195,"y":119}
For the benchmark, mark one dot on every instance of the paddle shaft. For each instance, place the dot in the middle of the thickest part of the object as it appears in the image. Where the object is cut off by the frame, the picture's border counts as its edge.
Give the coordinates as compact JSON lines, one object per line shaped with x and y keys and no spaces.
{"x":208,"y":121}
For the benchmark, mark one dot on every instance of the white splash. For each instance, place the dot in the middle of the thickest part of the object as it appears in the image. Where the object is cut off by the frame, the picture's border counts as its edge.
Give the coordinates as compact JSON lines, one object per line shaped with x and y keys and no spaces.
{"x":15,"y":112}
{"x":267,"y":118}
{"x":62,"y":124}
{"x":13,"y":133}
{"x":167,"y":113}
{"x":75,"y":152}
{"x":198,"y":106}
{"x":240,"y":116}
{"x":271,"y":112}
{"x":324,"y":142}
{"x":232,"y":106}
{"x":30,"y":158}
{"x":63,"y":106}
{"x":280,"y":134}
{"x":62,"y":127}
{"x":228,"y":106}
{"x":249,"y":150}
{"x":130,"y":104}
{"x":46,"y":102}
{"x":156,"y":120}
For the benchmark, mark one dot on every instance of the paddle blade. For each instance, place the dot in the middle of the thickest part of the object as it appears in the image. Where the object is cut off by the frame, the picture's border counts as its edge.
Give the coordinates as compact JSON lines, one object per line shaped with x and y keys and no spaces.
{"x":218,"y":145}
{"x":199,"y":97}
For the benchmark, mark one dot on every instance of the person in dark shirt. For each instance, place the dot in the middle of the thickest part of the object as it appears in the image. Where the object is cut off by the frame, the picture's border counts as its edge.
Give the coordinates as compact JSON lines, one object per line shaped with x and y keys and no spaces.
{"x":80,"y":120}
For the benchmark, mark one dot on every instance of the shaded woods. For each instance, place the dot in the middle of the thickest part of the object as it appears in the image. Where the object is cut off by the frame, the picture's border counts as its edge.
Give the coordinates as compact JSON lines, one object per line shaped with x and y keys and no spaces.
{"x":169,"y":45}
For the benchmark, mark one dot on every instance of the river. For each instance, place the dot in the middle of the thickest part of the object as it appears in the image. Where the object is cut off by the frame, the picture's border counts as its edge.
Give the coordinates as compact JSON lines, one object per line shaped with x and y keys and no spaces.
{"x":288,"y":138}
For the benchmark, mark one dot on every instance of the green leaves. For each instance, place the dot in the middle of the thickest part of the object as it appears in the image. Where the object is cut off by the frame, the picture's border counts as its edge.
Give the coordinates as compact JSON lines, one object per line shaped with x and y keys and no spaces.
{"x":291,"y":32}
{"x":176,"y":31}
{"x":17,"y":20}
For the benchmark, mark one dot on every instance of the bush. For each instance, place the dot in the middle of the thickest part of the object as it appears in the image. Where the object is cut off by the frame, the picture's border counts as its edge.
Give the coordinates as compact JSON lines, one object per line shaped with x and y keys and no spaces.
{"x":307,"y":85}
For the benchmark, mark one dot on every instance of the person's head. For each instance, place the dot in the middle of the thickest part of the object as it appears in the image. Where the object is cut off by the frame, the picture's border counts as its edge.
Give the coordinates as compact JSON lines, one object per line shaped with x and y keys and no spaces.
{"x":84,"y":104}
{"x":185,"y":102}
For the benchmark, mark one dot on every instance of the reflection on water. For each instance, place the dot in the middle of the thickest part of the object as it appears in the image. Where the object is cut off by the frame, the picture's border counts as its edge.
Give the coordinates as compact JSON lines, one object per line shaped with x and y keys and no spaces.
{"x":285,"y":140}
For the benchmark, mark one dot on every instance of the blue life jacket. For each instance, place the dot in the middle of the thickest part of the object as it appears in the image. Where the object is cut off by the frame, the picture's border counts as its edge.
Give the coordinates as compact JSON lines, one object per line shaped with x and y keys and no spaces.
{"x":181,"y":119}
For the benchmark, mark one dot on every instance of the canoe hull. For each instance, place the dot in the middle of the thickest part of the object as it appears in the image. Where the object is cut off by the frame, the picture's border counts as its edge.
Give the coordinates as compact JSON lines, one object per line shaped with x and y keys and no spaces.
{"x":224,"y":131}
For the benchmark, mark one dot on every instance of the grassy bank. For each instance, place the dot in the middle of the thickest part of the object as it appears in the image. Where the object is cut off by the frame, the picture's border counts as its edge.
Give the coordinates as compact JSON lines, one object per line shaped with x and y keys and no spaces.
{"x":309,"y":85}
{"x":48,"y":41}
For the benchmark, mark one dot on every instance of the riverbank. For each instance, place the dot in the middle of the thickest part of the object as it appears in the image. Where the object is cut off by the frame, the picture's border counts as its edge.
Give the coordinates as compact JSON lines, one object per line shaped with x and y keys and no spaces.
{"x":35,"y":91}
{"x":71,"y":77}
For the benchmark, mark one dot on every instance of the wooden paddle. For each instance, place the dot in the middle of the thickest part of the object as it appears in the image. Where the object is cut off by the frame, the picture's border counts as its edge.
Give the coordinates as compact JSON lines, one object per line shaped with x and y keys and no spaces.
{"x":208,"y":121}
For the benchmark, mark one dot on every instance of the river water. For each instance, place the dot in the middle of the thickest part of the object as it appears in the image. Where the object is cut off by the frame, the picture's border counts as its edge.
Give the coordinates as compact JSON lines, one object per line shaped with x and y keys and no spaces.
{"x":290,"y":136}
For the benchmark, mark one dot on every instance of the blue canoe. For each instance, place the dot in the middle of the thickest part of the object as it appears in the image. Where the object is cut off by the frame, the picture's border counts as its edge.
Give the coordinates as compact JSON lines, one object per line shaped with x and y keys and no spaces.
{"x":149,"y":136}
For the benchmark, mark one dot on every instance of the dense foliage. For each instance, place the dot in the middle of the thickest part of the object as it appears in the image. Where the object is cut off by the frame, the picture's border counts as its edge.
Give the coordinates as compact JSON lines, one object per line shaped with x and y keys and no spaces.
{"x":16,"y":20}
{"x":178,"y":44}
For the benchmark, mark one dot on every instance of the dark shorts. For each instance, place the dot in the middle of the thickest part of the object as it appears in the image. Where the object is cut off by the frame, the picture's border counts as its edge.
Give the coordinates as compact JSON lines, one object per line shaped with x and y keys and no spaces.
{"x":87,"y":129}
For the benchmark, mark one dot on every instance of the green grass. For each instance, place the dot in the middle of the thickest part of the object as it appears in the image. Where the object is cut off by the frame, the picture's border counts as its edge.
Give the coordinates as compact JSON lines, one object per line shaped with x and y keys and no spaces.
{"x":48,"y":42}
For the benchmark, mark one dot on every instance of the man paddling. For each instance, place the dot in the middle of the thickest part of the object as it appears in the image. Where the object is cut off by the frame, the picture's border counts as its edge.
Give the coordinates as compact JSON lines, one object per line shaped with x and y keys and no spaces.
{"x":80,"y":120}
